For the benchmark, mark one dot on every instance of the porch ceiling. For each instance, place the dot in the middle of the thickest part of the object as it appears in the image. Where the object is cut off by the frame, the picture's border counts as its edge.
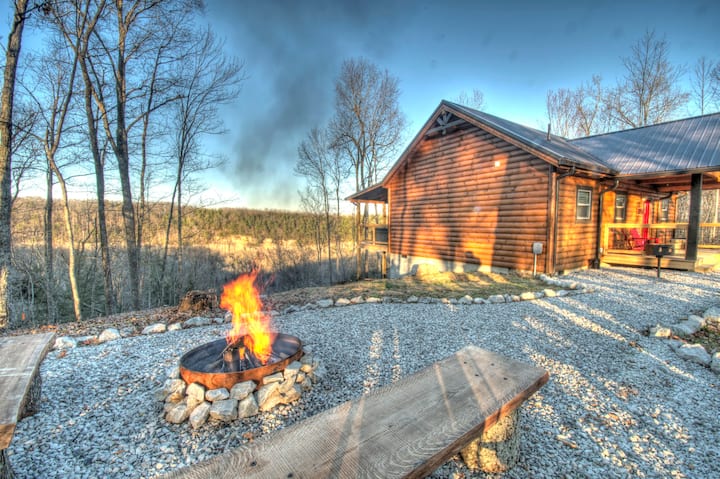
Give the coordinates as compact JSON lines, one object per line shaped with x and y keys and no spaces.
{"x":675,"y":182}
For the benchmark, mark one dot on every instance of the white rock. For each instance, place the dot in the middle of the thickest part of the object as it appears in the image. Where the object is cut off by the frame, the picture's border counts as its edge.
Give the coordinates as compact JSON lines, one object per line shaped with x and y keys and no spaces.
{"x":196,"y":391}
{"x":712,"y":315}
{"x":109,"y":334}
{"x":86,"y":340}
{"x":700,"y":321}
{"x":225,"y":410}
{"x":273,"y":378}
{"x":479,"y":301}
{"x":496,"y":298}
{"x":217,"y":395}
{"x":324,"y":303}
{"x":291,"y":371}
{"x":373,"y":299}
{"x":196,"y":321}
{"x":527,"y":296}
{"x":467,"y":299}
{"x":695,"y":353}
{"x":177,"y":414}
{"x":268,"y":396}
{"x":173,"y":372}
{"x":562,"y":293}
{"x":155,"y":328}
{"x":512,"y":298}
{"x":174,"y":385}
{"x":200,"y":414}
{"x":65,"y":342}
{"x":248,"y":407}
{"x":357,"y":300}
{"x":342,"y":302}
{"x":412,"y":299}
{"x":300,"y":377}
{"x":175,"y":327}
{"x":659,"y":331}
{"x":549,"y":293}
{"x":127,"y":331}
{"x":715,"y":363}
{"x":242,"y":390}
{"x":291,"y":395}
{"x":686,"y":328}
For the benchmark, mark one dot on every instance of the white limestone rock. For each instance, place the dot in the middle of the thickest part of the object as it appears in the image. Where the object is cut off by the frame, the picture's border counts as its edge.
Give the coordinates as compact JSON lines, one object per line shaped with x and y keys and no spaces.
{"x":480,"y":301}
{"x":659,"y":331}
{"x":175,"y":327}
{"x":242,"y":390}
{"x":697,"y":320}
{"x":173,"y":372}
{"x":357,"y":300}
{"x":300,"y":377}
{"x":196,"y":391}
{"x":685,"y":328}
{"x":86,"y":340}
{"x":342,"y":302}
{"x":197,"y":321}
{"x":291,"y":395}
{"x":467,"y":299}
{"x":715,"y":363}
{"x":549,"y":293}
{"x":496,"y":299}
{"x":528,"y":296}
{"x":155,"y":328}
{"x":291,"y":371}
{"x":412,"y":299}
{"x":225,"y":410}
{"x":109,"y":334}
{"x":199,"y":415}
{"x":373,"y":299}
{"x":177,"y":414}
{"x":561,"y":293}
{"x":269,"y":396}
{"x":324,"y":303}
{"x":695,"y":353}
{"x":174,"y":390}
{"x":712,"y":316}
{"x":214,"y":395}
{"x":273,"y":378}
{"x":64,"y":342}
{"x":248,"y":407}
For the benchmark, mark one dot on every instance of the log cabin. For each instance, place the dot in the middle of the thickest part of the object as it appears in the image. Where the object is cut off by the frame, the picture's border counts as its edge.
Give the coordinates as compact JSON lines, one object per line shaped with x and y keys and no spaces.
{"x":473,"y":191}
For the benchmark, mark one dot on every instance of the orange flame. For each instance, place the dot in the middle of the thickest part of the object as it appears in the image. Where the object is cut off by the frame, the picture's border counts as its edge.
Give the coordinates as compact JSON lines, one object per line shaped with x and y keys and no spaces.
{"x":250,"y":323}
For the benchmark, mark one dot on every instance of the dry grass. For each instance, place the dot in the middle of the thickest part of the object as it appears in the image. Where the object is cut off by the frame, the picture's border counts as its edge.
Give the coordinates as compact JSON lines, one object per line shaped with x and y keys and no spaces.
{"x":709,"y":337}
{"x":439,"y":285}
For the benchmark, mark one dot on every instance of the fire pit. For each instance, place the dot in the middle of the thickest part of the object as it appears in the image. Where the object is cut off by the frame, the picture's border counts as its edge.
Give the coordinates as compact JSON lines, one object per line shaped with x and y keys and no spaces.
{"x":218,"y":364}
{"x":252,"y":370}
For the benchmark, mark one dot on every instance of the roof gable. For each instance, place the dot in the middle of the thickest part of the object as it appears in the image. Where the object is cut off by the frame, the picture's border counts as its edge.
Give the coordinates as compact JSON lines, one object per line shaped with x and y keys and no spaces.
{"x":551,"y":148}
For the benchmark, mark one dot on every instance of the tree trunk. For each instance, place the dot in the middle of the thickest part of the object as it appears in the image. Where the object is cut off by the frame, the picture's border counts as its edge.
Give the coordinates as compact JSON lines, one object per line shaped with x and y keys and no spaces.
{"x":49,"y":256}
{"x":6,"y":114}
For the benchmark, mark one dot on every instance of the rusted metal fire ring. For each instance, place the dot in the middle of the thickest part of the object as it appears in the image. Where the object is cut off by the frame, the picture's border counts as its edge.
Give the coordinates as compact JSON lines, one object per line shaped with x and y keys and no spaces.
{"x":199,"y":365}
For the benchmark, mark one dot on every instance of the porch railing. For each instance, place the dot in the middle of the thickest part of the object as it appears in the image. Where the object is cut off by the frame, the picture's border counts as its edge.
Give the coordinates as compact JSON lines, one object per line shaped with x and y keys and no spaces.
{"x":376,"y":234}
{"x":633,"y":236}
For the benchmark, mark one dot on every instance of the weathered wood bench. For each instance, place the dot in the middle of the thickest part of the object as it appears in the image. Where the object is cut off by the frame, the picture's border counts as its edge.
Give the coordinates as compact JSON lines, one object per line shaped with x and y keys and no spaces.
{"x":405,"y":429}
{"x":20,"y":358}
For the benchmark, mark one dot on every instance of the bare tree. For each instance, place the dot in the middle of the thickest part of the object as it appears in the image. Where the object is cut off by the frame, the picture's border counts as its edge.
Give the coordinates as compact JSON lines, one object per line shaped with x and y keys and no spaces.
{"x":316,"y":162}
{"x":560,"y":107}
{"x":649,"y":92}
{"x":206,"y":80}
{"x":474,"y":100}
{"x":12,"y":55}
{"x":368,"y":124}
{"x":591,"y":111}
{"x":701,"y":82}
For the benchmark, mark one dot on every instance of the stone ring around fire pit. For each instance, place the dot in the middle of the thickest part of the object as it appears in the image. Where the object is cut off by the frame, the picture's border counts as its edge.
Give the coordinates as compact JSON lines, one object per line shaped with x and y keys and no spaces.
{"x":219,"y":365}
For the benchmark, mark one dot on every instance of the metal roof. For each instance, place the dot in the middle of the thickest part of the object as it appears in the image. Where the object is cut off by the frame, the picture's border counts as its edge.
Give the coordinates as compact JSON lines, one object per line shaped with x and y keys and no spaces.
{"x":676,"y":146}
{"x":373,"y":194}
{"x":557,"y":147}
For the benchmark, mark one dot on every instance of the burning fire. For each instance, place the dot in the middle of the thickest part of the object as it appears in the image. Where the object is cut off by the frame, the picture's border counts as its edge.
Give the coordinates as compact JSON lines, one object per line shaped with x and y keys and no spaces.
{"x":250,"y":323}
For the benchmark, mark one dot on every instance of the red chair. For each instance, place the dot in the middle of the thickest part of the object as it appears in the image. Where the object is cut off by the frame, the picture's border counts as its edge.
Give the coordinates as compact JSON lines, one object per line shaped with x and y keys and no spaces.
{"x":638,"y":242}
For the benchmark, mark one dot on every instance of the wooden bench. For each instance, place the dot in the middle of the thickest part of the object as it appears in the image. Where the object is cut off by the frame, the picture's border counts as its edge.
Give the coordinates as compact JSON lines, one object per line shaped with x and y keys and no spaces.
{"x":20,"y":358}
{"x":405,"y":429}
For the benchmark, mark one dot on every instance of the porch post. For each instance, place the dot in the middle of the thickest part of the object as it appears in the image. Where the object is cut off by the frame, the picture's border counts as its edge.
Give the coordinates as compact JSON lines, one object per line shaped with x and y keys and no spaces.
{"x":694,"y":217}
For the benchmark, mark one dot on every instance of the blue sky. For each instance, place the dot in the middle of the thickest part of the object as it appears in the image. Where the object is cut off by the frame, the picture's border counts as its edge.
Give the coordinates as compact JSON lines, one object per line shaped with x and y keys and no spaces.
{"x":513,"y":51}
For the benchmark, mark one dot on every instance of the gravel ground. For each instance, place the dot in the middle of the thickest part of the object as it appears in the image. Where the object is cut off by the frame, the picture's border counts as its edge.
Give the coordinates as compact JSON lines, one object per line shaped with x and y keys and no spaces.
{"x":618,"y":403}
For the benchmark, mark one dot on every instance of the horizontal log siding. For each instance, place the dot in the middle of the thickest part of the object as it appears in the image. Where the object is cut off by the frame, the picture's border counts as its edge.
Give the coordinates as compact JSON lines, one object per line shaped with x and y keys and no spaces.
{"x":450,"y":202}
{"x":576,"y":239}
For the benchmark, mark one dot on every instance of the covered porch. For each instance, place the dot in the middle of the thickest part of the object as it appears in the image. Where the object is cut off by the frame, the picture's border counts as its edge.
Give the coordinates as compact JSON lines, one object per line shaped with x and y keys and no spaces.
{"x":373,"y":234}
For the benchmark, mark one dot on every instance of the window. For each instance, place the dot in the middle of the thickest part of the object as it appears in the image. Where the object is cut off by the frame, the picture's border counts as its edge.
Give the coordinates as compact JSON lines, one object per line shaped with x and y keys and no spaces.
{"x":620,"y":207}
{"x":583,"y":204}
{"x":665,"y":210}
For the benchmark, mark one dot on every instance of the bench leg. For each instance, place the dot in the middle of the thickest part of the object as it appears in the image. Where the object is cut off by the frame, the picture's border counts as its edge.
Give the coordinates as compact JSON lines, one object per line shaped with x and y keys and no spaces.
{"x":5,"y":471}
{"x":497,"y":449}
{"x":32,"y":400}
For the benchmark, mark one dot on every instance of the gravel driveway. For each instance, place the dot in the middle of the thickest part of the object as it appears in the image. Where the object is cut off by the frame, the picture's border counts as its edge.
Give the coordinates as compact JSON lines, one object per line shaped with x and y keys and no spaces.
{"x":618,"y":403}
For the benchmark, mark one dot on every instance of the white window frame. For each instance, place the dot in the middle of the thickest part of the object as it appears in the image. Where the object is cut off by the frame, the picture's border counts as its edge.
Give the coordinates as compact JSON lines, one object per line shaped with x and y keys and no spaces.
{"x":580,"y":207}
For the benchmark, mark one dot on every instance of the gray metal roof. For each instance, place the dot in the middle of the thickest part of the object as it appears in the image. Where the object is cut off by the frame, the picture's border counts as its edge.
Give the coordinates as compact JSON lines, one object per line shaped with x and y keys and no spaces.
{"x":557,"y":147}
{"x":675,"y":146}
